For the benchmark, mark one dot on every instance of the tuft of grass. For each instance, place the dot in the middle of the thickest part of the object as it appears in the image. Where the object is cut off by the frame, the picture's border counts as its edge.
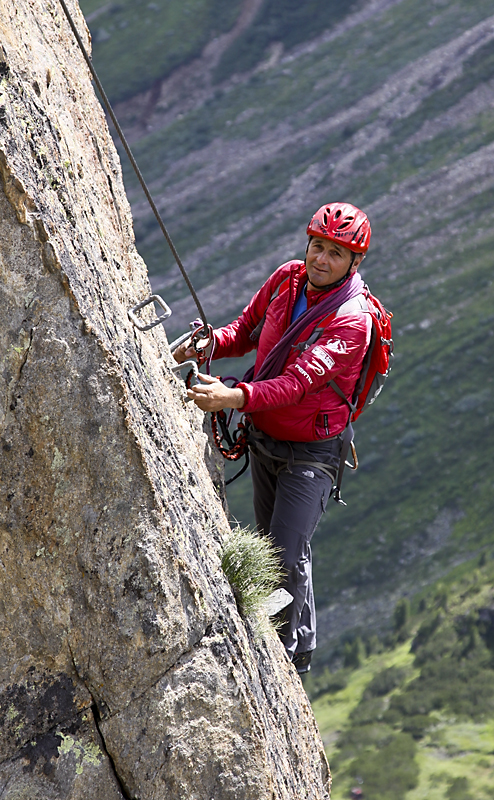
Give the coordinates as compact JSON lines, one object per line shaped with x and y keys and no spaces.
{"x":252,"y":565}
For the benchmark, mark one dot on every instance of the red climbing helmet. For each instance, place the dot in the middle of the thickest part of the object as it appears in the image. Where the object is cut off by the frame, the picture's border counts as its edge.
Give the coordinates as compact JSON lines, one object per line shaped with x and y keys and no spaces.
{"x":343,"y":223}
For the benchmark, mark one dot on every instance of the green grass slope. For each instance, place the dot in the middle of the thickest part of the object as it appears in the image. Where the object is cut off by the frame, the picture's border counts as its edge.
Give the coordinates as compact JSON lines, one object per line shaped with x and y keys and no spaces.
{"x":412,"y":717}
{"x":136,"y":42}
{"x":391,"y":108}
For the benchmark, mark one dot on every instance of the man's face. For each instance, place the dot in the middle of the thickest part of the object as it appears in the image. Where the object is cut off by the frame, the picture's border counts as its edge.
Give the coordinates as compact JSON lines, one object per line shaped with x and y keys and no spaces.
{"x":327,"y":262}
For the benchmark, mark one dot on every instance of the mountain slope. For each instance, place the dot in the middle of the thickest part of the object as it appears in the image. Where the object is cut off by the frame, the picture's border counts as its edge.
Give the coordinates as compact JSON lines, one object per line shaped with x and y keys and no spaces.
{"x":392,"y":109}
{"x":412,"y":716}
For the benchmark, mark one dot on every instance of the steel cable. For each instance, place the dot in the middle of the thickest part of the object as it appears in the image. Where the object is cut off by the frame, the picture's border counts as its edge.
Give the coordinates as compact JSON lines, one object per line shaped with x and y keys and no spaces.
{"x":134,"y":163}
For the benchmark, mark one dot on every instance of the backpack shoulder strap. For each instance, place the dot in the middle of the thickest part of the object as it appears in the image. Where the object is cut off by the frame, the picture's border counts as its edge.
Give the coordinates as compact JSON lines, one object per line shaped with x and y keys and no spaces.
{"x":316,"y":333}
{"x":343,"y":396}
{"x":255,"y":334}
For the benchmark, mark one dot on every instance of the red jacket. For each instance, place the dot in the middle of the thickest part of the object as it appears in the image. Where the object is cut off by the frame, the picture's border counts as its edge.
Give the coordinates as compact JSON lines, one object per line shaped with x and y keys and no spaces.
{"x":298,"y":405}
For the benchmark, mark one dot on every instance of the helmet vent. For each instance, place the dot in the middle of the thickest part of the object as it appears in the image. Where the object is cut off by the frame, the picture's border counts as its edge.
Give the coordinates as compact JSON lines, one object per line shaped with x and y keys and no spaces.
{"x":338,"y":214}
{"x":325,"y":220}
{"x":346,"y":222}
{"x":359,"y":236}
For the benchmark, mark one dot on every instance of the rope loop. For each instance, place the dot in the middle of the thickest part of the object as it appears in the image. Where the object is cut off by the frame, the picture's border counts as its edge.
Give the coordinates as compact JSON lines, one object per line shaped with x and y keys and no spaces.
{"x":236,"y":446}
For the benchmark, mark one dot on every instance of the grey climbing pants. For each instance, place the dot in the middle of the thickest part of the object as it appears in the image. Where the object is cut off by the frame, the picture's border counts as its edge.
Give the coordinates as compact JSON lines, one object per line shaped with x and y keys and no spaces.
{"x":290,"y":495}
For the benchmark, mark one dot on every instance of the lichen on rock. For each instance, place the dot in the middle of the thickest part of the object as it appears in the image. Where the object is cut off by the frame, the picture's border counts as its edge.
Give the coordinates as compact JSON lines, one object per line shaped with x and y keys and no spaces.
{"x":125,"y":668}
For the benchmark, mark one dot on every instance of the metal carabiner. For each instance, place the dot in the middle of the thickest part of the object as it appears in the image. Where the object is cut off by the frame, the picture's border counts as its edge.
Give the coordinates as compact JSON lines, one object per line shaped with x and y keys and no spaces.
{"x":353,"y":466}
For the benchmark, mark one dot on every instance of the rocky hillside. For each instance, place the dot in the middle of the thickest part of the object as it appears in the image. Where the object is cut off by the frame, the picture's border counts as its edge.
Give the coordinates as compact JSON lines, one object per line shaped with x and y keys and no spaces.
{"x":388,"y":104}
{"x":126,"y":670}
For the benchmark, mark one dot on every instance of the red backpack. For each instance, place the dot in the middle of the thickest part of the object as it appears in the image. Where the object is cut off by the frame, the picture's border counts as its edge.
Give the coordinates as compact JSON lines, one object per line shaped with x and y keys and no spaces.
{"x":375,"y":369}
{"x":377,"y":361}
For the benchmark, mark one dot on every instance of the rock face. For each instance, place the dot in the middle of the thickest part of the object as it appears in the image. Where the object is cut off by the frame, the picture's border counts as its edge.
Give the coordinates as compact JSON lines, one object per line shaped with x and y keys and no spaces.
{"x":125,"y":669}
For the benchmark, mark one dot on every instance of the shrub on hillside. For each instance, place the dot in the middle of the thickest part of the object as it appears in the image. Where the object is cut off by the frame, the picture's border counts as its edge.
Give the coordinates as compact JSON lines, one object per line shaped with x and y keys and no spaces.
{"x":360,"y":737}
{"x":367,"y":711}
{"x":353,"y":653}
{"x":389,"y":773}
{"x":417,"y":725}
{"x":464,"y":688}
{"x":441,"y":597}
{"x":401,"y":614}
{"x":424,"y":633}
{"x":458,"y":790}
{"x":384,"y":682}
{"x":442,"y":643}
{"x":326,"y":683}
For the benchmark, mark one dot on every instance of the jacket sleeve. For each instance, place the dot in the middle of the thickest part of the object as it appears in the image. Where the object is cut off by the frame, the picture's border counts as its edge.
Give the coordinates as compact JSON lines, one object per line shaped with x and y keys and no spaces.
{"x":233,"y":340}
{"x":338,"y":354}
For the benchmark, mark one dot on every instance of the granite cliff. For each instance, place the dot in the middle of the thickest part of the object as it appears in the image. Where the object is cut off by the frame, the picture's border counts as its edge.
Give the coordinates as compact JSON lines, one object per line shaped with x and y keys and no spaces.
{"x":125,"y":668}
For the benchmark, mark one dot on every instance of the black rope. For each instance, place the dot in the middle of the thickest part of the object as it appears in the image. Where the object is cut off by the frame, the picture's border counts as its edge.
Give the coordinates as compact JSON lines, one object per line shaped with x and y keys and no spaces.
{"x":241,"y":471}
{"x":134,"y":162}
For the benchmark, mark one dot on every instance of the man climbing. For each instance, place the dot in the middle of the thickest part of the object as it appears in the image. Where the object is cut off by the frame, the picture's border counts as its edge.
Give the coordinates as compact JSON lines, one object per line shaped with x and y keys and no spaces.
{"x":310,"y":324}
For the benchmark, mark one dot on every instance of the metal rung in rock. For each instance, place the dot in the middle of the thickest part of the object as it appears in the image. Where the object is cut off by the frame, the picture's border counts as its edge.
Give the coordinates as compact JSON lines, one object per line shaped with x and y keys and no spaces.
{"x":191,"y":365}
{"x":276,"y":601}
{"x":154,"y":298}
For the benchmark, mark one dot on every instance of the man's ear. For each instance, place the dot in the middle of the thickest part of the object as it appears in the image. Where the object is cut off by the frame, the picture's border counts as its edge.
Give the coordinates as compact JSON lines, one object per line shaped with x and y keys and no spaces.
{"x":357,"y":261}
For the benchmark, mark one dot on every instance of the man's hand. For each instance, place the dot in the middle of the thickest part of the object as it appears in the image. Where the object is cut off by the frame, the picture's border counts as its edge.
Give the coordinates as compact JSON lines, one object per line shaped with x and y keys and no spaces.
{"x":184,"y":352}
{"x":214,"y":395}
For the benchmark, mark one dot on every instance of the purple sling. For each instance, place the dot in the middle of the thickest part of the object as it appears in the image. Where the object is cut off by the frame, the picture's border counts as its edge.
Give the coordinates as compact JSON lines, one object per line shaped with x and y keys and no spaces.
{"x":274,"y":362}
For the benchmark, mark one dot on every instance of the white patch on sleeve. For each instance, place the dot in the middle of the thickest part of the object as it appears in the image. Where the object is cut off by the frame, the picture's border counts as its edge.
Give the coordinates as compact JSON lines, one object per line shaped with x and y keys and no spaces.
{"x":336,"y":346}
{"x":321,"y":354}
{"x":304,"y":373}
{"x":317,"y":367}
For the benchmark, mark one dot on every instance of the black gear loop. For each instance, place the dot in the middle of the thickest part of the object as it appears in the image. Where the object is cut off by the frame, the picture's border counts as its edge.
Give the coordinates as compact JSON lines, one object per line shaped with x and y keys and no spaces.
{"x":237,"y":446}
